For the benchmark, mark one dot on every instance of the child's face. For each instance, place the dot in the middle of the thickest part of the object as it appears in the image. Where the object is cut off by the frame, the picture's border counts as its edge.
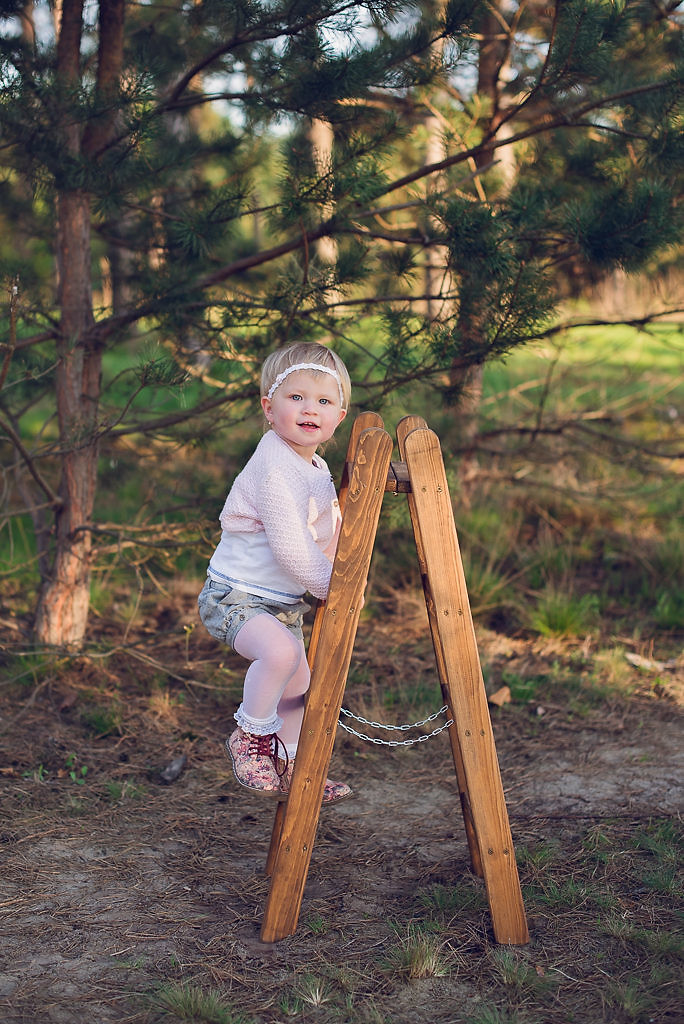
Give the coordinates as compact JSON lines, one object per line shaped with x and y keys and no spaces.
{"x":305,"y":410}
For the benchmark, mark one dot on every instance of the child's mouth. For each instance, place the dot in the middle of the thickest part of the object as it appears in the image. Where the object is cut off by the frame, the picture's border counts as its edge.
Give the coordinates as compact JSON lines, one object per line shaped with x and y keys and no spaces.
{"x":309,"y":426}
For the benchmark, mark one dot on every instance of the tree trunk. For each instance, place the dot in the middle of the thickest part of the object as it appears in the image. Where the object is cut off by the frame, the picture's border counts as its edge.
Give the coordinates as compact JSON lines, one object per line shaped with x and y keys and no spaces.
{"x":63,"y":604}
{"x":62,"y":612}
{"x":472,"y":315}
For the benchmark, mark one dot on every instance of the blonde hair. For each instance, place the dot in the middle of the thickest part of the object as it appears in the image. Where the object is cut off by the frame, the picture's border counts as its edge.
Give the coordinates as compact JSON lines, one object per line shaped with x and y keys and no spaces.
{"x":304,"y":352}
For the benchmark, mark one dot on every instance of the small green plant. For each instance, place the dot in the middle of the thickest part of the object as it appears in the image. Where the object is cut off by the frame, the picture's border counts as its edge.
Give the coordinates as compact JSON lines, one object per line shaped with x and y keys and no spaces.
{"x":560,"y":613}
{"x":664,"y":879}
{"x":536,"y":857}
{"x":629,"y":997}
{"x":450,"y":899}
{"x":102,"y":721}
{"x":77,"y":773}
{"x":417,"y":955}
{"x":317,"y":924}
{"x":617,"y":926}
{"x":512,"y":969}
{"x":660,"y":943}
{"x":599,"y":843}
{"x":190,"y":1002}
{"x":38,"y":774}
{"x":568,"y":893}
{"x":119,"y":791}
{"x":662,"y":839}
{"x":290,"y":1005}
{"x":490,"y":1014}
{"x":525,"y":688}
{"x":312,"y":990}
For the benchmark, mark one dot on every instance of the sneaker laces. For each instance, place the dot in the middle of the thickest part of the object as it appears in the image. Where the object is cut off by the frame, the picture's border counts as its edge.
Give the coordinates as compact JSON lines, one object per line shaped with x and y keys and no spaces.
{"x":267,"y":746}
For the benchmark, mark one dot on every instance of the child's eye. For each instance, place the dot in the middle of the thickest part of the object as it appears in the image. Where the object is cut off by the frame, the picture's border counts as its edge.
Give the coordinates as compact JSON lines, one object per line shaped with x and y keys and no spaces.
{"x":324,"y":401}
{"x":296,"y":398}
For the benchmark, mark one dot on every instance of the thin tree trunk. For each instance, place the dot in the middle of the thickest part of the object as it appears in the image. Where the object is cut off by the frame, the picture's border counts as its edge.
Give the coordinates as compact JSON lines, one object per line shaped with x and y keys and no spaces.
{"x":472,"y":315}
{"x":63,"y":605}
{"x":322,"y":139}
{"x":62,"y":612}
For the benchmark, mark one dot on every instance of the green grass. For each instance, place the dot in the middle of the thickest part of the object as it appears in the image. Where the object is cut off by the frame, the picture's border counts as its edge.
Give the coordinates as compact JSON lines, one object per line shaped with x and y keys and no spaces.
{"x":559,"y":612}
{"x":567,"y":533}
{"x":191,"y":1002}
{"x":417,"y":954}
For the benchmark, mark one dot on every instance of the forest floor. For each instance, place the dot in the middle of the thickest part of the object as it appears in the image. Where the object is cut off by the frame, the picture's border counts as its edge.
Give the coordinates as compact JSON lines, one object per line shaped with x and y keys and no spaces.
{"x":126,"y":899}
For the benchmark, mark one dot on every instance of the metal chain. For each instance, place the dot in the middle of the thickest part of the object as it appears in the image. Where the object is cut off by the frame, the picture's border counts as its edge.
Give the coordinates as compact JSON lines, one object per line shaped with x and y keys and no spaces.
{"x":394,"y":728}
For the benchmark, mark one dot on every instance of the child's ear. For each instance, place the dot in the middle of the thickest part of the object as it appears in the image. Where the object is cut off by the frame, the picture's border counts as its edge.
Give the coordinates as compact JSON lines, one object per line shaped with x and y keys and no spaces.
{"x":343,"y":413}
{"x":266,"y":406}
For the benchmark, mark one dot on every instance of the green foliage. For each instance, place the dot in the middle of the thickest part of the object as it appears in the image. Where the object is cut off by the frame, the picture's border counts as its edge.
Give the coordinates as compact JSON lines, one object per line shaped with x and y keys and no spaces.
{"x":219,"y":229}
{"x":559,"y":612}
{"x":624,"y":224}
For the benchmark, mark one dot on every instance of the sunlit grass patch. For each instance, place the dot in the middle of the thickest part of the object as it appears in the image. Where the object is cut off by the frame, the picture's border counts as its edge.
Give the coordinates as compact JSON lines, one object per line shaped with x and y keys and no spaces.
{"x":417,"y":955}
{"x":515,"y":969}
{"x":559,"y":612}
{"x":311,"y":990}
{"x":193,"y":1003}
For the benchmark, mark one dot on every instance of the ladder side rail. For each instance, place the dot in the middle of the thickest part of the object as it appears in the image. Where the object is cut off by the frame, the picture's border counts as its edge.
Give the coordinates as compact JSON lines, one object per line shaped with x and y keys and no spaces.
{"x":458,"y":645}
{"x":328,"y":678}
{"x":363,"y":421}
{"x":404,"y":427}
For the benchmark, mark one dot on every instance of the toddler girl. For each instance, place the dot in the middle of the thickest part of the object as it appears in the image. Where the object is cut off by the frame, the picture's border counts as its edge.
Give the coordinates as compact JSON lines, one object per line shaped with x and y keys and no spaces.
{"x":280,"y":525}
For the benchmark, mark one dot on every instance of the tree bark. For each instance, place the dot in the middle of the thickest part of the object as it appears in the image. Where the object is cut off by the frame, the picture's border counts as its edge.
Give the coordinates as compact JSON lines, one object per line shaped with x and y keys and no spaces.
{"x":63,"y":604}
{"x":62,"y":611}
{"x":472,"y":315}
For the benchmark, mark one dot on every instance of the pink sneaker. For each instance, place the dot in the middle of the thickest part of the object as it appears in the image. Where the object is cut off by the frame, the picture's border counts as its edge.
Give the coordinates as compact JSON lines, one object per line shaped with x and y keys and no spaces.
{"x":332,"y":794}
{"x":255,"y":762}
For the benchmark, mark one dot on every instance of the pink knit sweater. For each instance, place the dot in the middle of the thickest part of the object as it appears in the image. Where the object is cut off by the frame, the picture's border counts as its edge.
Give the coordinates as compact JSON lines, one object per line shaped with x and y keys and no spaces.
{"x":280,"y":524}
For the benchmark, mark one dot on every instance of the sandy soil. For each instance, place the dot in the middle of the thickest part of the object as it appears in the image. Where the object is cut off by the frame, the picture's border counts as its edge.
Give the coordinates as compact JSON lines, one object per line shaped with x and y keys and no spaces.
{"x":113,"y":883}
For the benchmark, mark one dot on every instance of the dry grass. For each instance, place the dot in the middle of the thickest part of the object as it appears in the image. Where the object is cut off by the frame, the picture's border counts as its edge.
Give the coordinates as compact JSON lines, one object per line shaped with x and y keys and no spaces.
{"x":127,"y":900}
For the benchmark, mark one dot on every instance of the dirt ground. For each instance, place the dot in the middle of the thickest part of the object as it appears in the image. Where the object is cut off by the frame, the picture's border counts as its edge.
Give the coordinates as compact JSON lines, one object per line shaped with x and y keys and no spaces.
{"x":114,"y":883}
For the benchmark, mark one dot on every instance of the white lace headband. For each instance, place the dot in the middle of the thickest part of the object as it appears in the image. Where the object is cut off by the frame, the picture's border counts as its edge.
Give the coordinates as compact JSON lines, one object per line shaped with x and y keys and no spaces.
{"x":305,"y":366}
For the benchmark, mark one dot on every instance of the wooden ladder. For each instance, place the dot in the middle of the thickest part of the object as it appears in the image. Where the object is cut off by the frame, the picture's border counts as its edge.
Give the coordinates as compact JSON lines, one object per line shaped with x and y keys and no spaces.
{"x":368,"y":474}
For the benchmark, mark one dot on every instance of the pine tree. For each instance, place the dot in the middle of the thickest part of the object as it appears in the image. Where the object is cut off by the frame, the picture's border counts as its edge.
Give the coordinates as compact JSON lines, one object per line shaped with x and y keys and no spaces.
{"x":171,"y":146}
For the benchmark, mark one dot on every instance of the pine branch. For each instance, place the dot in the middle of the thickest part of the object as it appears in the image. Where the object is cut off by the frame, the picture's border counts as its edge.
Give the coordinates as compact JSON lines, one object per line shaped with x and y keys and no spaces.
{"x":638,"y":322}
{"x":491,"y":142}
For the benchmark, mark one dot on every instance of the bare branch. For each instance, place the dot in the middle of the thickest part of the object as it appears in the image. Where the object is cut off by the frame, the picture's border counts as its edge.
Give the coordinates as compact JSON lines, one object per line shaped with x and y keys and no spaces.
{"x":12,"y":344}
{"x":55,"y":501}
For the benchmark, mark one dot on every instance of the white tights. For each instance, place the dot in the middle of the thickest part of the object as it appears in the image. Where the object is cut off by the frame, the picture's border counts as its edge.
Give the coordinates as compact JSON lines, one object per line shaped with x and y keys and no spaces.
{"x":276,"y":681}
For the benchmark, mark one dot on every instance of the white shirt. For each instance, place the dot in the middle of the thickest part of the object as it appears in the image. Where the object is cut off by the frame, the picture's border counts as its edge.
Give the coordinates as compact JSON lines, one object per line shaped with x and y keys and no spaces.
{"x":280,"y":524}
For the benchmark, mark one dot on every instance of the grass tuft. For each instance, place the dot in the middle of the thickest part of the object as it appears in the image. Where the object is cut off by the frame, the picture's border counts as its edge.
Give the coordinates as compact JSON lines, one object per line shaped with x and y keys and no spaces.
{"x":417,"y":955}
{"x":190,"y":1002}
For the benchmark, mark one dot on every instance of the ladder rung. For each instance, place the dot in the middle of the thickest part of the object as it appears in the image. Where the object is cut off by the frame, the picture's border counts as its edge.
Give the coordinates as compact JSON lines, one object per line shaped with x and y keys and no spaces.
{"x":397,"y":478}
